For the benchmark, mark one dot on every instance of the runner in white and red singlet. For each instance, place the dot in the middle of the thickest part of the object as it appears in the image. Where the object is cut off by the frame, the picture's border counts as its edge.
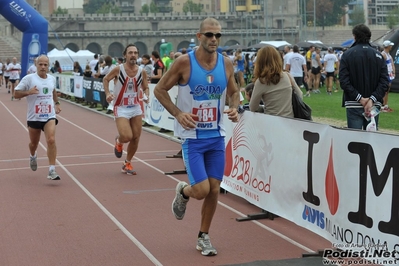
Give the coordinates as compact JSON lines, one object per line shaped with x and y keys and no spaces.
{"x":129,"y":79}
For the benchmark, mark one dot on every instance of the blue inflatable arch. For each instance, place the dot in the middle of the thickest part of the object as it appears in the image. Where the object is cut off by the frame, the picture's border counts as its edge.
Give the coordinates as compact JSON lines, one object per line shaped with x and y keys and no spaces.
{"x":33,"y":25}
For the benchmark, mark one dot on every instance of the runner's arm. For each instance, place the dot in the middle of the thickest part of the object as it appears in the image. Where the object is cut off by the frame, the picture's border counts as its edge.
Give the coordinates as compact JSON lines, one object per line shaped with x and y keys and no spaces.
{"x":23,"y":89}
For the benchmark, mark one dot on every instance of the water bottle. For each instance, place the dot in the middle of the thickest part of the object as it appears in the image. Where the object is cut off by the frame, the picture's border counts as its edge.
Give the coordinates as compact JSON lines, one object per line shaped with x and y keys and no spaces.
{"x":33,"y":49}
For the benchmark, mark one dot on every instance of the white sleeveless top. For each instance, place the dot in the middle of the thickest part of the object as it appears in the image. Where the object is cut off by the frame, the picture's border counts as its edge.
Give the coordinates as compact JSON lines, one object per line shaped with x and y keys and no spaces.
{"x":130,"y":87}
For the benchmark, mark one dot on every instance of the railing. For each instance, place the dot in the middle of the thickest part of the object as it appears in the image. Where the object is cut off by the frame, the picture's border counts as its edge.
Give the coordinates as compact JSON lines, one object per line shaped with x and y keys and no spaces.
{"x":163,"y":16}
{"x":150,"y":33}
{"x":336,"y":28}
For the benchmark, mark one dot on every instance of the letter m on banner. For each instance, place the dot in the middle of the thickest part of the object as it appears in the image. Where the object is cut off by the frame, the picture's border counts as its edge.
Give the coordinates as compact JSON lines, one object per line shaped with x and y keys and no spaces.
{"x":379,"y":181}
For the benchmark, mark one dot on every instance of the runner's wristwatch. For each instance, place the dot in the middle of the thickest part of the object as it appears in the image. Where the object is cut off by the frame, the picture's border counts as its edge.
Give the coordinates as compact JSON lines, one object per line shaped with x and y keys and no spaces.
{"x":240,"y":109}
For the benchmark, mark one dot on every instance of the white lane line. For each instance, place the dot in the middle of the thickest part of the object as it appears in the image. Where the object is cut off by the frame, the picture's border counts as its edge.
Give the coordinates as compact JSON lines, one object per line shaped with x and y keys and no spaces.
{"x":110,"y":216}
{"x":173,"y":178}
{"x":222,"y":204}
{"x":66,"y":165}
{"x":271,"y":230}
{"x":85,"y":157}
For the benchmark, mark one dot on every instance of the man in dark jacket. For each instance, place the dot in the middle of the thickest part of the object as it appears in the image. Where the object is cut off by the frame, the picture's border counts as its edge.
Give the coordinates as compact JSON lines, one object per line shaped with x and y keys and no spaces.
{"x":364,"y":78}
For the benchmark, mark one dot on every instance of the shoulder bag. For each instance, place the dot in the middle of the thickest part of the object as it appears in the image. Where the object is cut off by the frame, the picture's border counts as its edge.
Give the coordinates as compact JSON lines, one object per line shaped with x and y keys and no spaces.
{"x":300,"y":108}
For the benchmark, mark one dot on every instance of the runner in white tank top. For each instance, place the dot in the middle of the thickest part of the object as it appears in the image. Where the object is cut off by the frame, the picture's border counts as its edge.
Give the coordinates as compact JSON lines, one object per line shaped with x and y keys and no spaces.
{"x":391,"y":72}
{"x":330,"y":61}
{"x":129,"y":79}
{"x":204,"y":78}
{"x":43,"y":105}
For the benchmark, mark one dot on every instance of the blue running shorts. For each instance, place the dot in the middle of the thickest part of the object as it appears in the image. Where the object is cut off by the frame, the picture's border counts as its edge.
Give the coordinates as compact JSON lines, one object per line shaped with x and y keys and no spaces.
{"x":204,"y":158}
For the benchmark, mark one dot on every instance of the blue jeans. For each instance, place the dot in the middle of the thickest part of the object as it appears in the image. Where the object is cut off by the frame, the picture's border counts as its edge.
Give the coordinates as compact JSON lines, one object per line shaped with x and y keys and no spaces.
{"x":356,"y":120}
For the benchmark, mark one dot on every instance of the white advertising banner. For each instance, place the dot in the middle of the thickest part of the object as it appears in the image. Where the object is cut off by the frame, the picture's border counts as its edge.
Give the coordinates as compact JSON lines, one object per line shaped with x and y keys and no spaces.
{"x":78,"y":86}
{"x":63,"y":83}
{"x":341,"y":184}
{"x":156,"y":114}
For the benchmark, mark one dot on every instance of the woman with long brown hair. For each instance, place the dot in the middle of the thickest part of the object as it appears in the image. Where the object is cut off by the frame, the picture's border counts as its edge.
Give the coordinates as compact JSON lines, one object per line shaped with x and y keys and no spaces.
{"x":272,"y":85}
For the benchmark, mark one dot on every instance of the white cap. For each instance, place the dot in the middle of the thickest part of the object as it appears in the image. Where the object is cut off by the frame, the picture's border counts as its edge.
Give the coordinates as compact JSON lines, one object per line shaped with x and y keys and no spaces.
{"x":387,"y":43}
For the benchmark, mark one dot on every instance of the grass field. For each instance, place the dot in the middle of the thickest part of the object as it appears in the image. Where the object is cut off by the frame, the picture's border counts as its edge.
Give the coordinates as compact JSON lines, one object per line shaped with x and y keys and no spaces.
{"x":330,"y":106}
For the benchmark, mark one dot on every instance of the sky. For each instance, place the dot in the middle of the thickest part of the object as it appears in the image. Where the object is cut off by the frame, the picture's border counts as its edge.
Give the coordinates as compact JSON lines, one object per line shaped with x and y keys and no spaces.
{"x":70,"y":3}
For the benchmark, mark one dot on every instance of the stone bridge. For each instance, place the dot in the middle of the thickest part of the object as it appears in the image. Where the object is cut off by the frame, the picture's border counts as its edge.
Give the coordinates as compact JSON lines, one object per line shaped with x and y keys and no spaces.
{"x":110,"y":33}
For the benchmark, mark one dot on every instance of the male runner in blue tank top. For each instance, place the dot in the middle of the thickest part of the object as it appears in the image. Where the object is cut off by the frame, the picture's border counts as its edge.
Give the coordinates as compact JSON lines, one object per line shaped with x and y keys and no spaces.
{"x":204,"y":78}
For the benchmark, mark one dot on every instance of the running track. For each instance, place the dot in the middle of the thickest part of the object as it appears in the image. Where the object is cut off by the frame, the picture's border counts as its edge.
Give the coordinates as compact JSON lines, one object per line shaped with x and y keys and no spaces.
{"x":98,"y":216}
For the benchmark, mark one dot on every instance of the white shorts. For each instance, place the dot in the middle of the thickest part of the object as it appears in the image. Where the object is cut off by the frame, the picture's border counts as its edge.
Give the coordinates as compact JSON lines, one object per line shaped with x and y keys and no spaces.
{"x":127,"y":112}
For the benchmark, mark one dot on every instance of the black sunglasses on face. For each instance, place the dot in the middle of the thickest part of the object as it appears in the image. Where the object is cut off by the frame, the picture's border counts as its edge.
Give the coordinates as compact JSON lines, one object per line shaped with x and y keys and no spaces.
{"x":211,"y":34}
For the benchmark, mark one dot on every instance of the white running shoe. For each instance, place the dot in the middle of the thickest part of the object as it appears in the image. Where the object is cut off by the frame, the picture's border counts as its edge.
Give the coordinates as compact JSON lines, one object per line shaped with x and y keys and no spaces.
{"x":205,"y":246}
{"x":52,"y":175}
{"x":33,"y":163}
{"x":179,"y":203}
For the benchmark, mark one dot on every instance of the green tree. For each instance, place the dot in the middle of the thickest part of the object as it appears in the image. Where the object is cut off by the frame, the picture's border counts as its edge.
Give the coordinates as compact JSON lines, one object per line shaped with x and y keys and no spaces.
{"x":153,"y":8}
{"x":323,"y":10}
{"x":393,"y":18}
{"x":92,"y":6}
{"x":328,"y":12}
{"x":60,"y":11}
{"x":357,"y":16}
{"x":145,"y":9}
{"x":190,"y":6}
{"x":337,"y":12}
{"x":108,"y":8}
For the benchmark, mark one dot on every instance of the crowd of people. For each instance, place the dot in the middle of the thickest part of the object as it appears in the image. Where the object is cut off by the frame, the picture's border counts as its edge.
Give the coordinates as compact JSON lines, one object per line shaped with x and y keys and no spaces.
{"x":270,"y":69}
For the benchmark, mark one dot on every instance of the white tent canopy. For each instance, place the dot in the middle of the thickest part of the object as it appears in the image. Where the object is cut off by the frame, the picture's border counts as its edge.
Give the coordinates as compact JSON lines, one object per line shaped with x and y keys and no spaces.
{"x":83,"y":57}
{"x":276,"y":44}
{"x":67,"y":57}
{"x":64,"y":57}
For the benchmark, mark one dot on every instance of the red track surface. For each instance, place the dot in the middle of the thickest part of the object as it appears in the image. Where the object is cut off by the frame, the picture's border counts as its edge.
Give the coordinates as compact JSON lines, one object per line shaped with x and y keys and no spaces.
{"x":98,"y":216}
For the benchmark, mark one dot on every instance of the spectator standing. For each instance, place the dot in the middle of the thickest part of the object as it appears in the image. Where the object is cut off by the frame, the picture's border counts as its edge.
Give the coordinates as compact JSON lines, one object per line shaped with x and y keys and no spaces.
{"x":98,"y":67}
{"x":56,"y":68}
{"x":363,"y":76}
{"x":87,"y":73}
{"x":93,"y":63}
{"x":308,"y":57}
{"x":147,"y":65}
{"x":158,"y":69}
{"x":106,"y":67}
{"x":77,"y":69}
{"x":315,"y":72}
{"x":287,"y":53}
{"x":391,"y":71}
{"x":169,"y":60}
{"x":296,"y":65}
{"x":104,"y":71}
{"x":330,"y":67}
{"x":239,"y":60}
{"x":272,"y":85}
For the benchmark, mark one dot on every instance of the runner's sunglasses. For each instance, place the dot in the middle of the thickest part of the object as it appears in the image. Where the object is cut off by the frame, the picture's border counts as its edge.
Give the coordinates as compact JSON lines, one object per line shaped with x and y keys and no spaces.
{"x":211,"y":34}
